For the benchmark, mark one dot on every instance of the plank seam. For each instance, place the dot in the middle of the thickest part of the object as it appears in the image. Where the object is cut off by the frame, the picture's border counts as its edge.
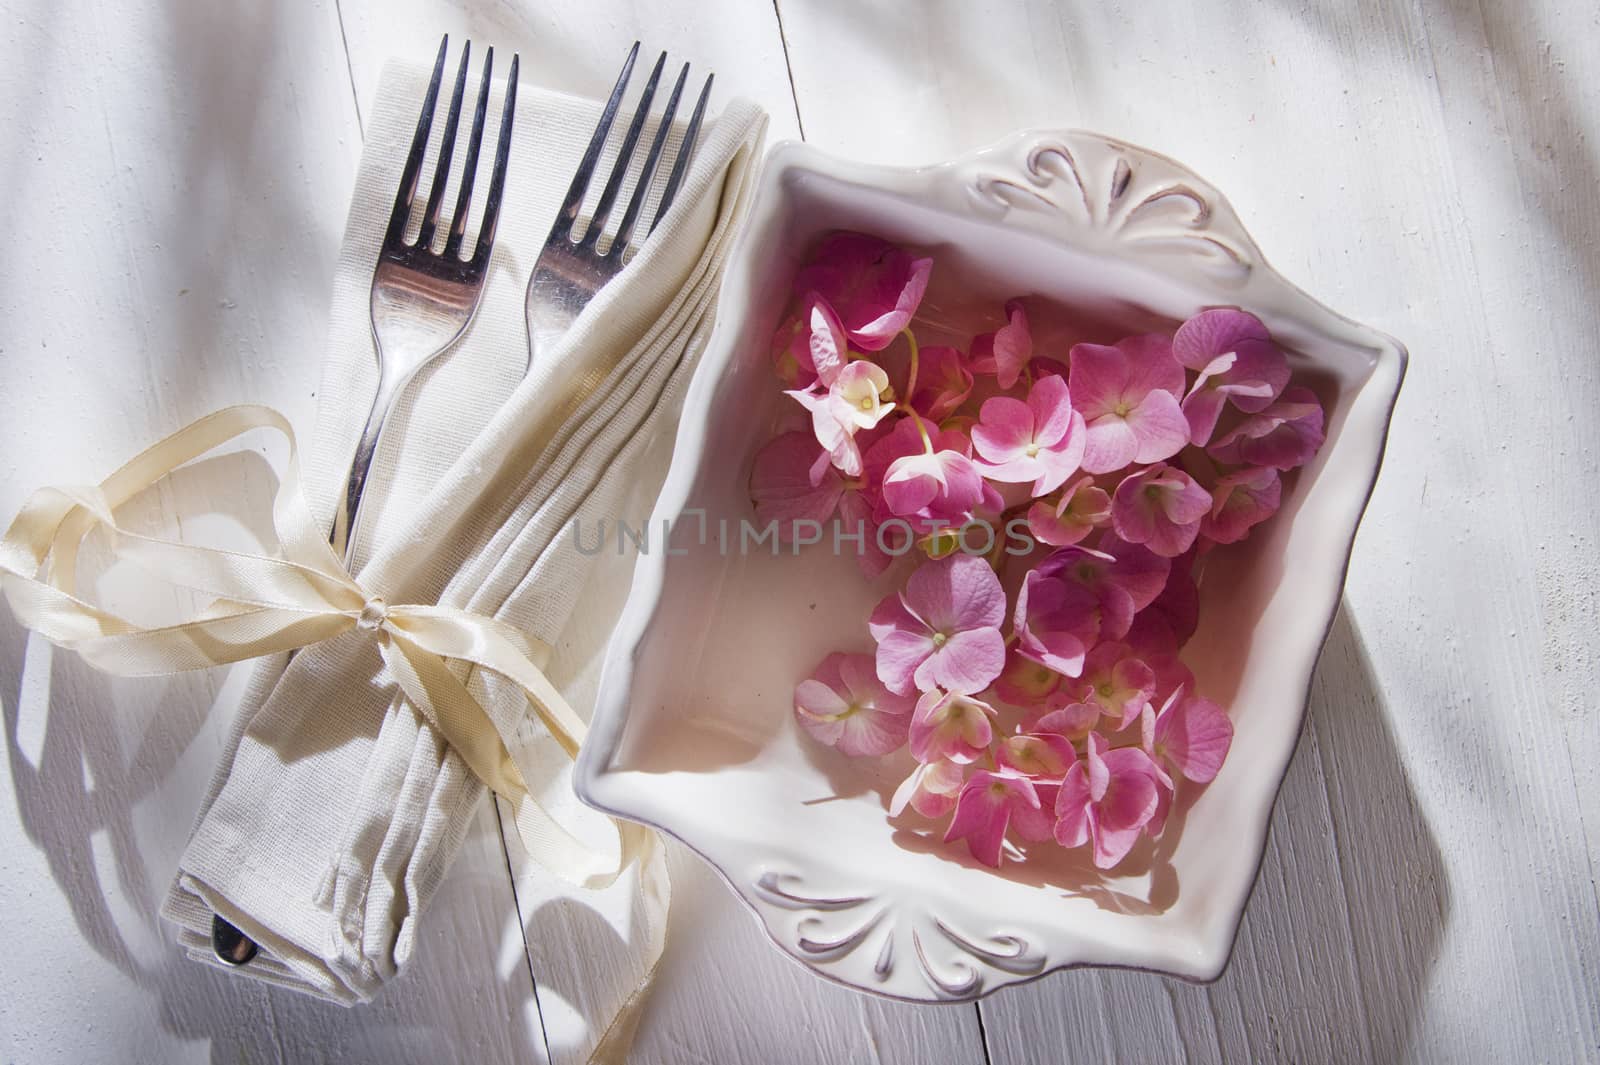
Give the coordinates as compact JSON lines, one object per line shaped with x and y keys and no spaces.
{"x":522,"y":929}
{"x":355,"y":97}
{"x":788,"y":67}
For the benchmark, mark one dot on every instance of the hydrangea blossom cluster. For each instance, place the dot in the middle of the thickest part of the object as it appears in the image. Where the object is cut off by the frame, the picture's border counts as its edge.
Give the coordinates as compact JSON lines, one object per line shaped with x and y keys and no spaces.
{"x":1040,"y":691}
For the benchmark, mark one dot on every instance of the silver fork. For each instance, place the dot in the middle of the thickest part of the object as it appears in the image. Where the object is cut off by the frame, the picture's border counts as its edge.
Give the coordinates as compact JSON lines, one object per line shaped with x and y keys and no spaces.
{"x":569,"y":272}
{"x":422,"y":301}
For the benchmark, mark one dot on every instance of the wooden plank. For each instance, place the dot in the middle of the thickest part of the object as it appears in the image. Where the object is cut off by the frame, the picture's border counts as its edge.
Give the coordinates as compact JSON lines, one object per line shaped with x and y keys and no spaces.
{"x":177,"y":180}
{"x":1428,"y":169}
{"x":577,"y":47}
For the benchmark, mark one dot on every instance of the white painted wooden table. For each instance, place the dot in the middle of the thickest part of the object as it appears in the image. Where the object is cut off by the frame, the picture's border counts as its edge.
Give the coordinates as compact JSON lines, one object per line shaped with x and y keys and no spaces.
{"x":176,"y":177}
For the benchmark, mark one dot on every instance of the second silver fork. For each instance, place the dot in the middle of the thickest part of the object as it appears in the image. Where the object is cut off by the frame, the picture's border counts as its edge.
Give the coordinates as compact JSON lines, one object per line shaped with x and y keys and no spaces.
{"x":569,"y":272}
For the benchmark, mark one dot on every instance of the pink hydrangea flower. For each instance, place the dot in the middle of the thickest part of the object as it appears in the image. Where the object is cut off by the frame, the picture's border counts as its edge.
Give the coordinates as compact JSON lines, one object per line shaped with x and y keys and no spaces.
{"x":781,"y":486}
{"x":989,"y":803}
{"x":867,"y":511}
{"x":1239,"y":502}
{"x":1081,"y":509}
{"x":933,"y":490}
{"x":844,"y":704}
{"x":1056,"y":621}
{"x":1124,"y":578}
{"x":1073,"y":722}
{"x":1107,"y":799}
{"x":1161,"y":507}
{"x":873,"y":286}
{"x":1117,"y":683}
{"x":1172,"y":617}
{"x":853,"y":402}
{"x":951,"y":726}
{"x":943,"y":630}
{"x":1026,"y":683}
{"x":811,"y":347}
{"x":1237,"y":362}
{"x":1128,"y":396}
{"x":1036,"y":754}
{"x":931,"y":789}
{"x":1284,"y":436}
{"x":943,"y":383}
{"x":1007,"y":350}
{"x":1041,"y":440}
{"x":1192,"y":735}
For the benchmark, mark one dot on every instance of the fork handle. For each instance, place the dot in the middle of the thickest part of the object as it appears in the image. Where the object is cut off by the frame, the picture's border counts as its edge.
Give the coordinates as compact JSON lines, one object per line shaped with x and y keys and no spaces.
{"x":346,"y":523}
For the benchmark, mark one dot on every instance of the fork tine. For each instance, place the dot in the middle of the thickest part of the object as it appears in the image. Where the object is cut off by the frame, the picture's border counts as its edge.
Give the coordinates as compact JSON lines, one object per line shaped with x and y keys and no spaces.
{"x":680,"y":165}
{"x":447,"y":152}
{"x":651,"y":161}
{"x":419,"y":147}
{"x":619,"y":169}
{"x":458,"y":220}
{"x":580,"y":181}
{"x":497,"y":180}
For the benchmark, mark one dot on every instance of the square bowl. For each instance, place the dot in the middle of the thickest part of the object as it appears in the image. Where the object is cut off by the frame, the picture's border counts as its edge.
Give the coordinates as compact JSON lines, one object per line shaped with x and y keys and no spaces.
{"x":693,"y":730}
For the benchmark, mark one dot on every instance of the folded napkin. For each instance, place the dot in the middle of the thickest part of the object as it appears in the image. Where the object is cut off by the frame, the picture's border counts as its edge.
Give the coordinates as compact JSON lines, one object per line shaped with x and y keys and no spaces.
{"x":337,"y":807}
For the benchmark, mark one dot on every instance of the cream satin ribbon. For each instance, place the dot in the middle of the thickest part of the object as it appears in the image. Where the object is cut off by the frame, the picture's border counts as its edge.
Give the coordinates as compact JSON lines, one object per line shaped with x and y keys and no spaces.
{"x":267,"y":604}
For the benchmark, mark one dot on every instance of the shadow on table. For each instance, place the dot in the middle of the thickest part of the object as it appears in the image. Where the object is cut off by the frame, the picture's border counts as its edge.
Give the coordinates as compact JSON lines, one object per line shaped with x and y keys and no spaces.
{"x":1352,"y":869}
{"x":1345,"y":923}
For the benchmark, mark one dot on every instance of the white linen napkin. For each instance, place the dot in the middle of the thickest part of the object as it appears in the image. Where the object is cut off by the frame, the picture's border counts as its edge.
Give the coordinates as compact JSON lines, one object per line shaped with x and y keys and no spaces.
{"x":337,"y":808}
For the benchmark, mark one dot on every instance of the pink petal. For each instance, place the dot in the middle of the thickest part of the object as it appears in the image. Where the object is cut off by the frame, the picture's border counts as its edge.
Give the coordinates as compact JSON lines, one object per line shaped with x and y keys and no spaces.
{"x":829,"y":347}
{"x":870,"y":735}
{"x":1151,"y":367}
{"x":1072,"y":808}
{"x":1051,"y":411}
{"x":1073,"y":721}
{"x":950,"y":726}
{"x":903,"y":643}
{"x":1097,"y":378}
{"x":1109,"y":443}
{"x":1284,"y":436}
{"x":1094,"y":762}
{"x":1159,"y":425}
{"x":880,"y":332}
{"x":842,"y":704}
{"x":1013,"y":345}
{"x":983,"y":811}
{"x":1194,"y":735}
{"x":781,"y":486}
{"x":1240,"y":502}
{"x":943,"y":382}
{"x":1024,"y":682}
{"x":931,"y":789}
{"x":956,"y":594}
{"x":1258,"y":372}
{"x":1201,"y":410}
{"x":1213,"y":332}
{"x":967,"y":663}
{"x":1004,"y":430}
{"x":1045,"y":754}
{"x":1135,"y":569}
{"x":1111,"y":845}
{"x":1133,"y":512}
{"x":875,"y":287}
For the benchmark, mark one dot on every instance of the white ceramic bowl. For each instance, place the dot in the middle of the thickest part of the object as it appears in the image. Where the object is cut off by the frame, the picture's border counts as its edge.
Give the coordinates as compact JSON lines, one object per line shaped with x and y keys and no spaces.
{"x":694,"y":731}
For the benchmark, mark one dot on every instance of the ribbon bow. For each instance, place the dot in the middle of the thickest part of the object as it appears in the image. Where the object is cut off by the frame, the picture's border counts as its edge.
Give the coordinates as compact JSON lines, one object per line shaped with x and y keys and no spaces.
{"x":265,"y":604}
